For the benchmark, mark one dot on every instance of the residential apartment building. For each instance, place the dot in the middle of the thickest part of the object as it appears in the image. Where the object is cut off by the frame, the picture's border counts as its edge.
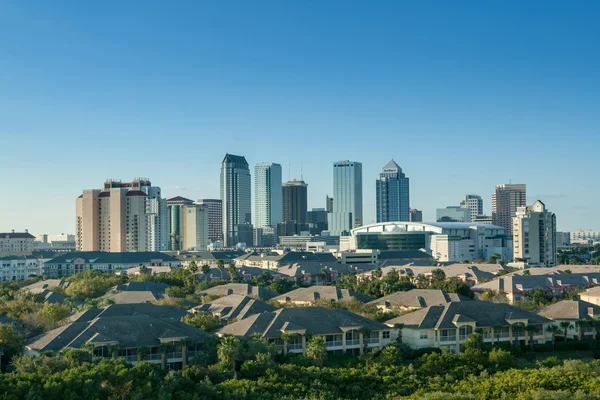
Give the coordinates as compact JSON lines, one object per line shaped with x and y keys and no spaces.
{"x":18,"y":268}
{"x":295,"y":201}
{"x":573,"y":312}
{"x":534,"y":235}
{"x":453,"y":214}
{"x":236,"y":197}
{"x":347,"y":198}
{"x":585,"y":235}
{"x":123,"y":216}
{"x":311,"y":295}
{"x":505,"y":201}
{"x":392,"y":194}
{"x":474,"y":203}
{"x":16,"y":243}
{"x":195,"y":228}
{"x":215,"y":218}
{"x":175,"y":212}
{"x":415,"y":299}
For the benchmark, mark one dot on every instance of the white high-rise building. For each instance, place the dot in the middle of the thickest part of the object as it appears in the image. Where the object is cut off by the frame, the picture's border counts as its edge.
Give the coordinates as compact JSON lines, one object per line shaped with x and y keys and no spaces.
{"x":534,"y":235}
{"x":158,"y":226}
{"x":474,"y":203}
{"x":347,"y":198}
{"x":195,"y":227}
{"x":268,"y":201}
{"x":236,"y":195}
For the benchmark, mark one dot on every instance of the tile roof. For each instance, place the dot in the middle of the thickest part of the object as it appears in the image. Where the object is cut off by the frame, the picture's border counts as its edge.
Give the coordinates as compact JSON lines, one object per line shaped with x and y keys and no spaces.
{"x":101,"y":257}
{"x":418,"y":298}
{"x":241,"y":288}
{"x":130,"y":325}
{"x":483,"y":313}
{"x":234,"y":306}
{"x":316,"y":320}
{"x":314,"y":293}
{"x":571,"y":309}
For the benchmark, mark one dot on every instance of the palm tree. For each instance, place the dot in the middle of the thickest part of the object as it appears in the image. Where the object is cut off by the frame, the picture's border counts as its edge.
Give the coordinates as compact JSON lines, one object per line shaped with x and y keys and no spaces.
{"x":366,"y":333}
{"x":142,"y":351}
{"x":378,"y":273}
{"x":229,"y":351}
{"x":581,"y":325}
{"x":287,"y":338}
{"x":399,"y":327}
{"x":565,"y":326}
{"x":89,"y":347}
{"x":517,"y":329}
{"x":553,"y":330}
{"x":164,"y":349}
{"x":324,"y":275}
{"x":316,"y":349}
{"x":185,"y":345}
{"x":114,"y":349}
{"x":205,"y":270}
{"x":232,"y":271}
{"x":193,"y":267}
{"x":220,"y":266}
{"x":531,"y":330}
{"x":497,"y":331}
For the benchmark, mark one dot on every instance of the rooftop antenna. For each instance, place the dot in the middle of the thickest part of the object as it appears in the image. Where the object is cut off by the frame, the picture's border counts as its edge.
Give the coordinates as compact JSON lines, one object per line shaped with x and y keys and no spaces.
{"x":301,"y":172}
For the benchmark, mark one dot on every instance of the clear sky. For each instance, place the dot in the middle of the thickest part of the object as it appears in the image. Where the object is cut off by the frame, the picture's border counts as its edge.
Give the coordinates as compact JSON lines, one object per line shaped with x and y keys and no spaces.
{"x":463,"y":95}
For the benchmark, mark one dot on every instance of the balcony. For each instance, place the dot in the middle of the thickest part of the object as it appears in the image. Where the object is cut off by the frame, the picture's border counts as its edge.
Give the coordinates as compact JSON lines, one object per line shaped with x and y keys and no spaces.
{"x":353,"y":342}
{"x":177,"y":354}
{"x":448,"y":339}
{"x":374,"y":340}
{"x":150,"y":357}
{"x":295,"y":346}
{"x":336,"y":343}
{"x":132,"y":358}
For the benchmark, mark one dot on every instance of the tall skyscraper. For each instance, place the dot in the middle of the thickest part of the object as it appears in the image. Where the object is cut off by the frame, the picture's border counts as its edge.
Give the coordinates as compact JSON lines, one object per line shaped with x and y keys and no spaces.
{"x":393,"y":199}
{"x":474,"y":203}
{"x":194,"y":228}
{"x":214,"y":208}
{"x":295,"y":201}
{"x":124,"y":216}
{"x":505,"y":201}
{"x":267,"y":195}
{"x":328,"y":204}
{"x":175,"y":213}
{"x":415,"y":215}
{"x":534,"y":235}
{"x":347,"y":198}
{"x":236,"y":195}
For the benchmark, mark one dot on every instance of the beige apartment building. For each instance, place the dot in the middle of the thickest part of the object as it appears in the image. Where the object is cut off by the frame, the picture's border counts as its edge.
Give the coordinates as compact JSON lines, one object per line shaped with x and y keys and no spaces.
{"x":505,"y":201}
{"x":534,"y":235}
{"x":113,"y":219}
{"x":195,"y":227}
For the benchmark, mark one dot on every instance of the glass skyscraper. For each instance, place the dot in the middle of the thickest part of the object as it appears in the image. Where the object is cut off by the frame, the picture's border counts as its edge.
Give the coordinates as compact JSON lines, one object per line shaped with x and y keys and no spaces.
{"x":393,"y":200}
{"x":347,"y":198}
{"x":236,"y":197}
{"x":267,"y":195}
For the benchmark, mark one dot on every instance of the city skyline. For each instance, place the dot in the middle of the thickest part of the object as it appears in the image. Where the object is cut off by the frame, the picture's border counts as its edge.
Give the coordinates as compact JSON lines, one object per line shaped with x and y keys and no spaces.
{"x":462,"y":98}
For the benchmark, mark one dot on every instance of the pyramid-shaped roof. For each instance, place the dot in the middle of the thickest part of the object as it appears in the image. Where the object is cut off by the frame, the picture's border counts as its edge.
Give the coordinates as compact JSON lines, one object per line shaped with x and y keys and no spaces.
{"x":392,"y":167}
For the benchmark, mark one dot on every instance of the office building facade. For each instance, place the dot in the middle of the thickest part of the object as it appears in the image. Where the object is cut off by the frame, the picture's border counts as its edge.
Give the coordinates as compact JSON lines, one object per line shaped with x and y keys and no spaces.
{"x":195,"y":228}
{"x":175,"y":212}
{"x":267,"y":195}
{"x":214,"y":207}
{"x":534,"y":235}
{"x":453,"y":214}
{"x":236,"y":197}
{"x":474,"y":203}
{"x":295,"y":201}
{"x":505,"y":201}
{"x":392,"y":191}
{"x":347,"y":198}
{"x":415,"y":215}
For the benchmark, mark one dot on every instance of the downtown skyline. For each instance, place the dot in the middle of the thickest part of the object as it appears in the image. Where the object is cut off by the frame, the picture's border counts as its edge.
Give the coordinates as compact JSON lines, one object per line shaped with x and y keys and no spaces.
{"x":463,"y":100}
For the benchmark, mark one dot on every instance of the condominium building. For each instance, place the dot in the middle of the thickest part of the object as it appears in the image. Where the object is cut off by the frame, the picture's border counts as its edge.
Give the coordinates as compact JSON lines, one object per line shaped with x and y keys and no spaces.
{"x":534,"y":235}
{"x":236,"y":197}
{"x":195,"y":228}
{"x":415,"y":215}
{"x":16,"y":243}
{"x":474,"y":203}
{"x":175,"y":212}
{"x":347,"y":198}
{"x":123,"y":216}
{"x":18,"y":268}
{"x":505,"y":201}
{"x":214,"y":207}
{"x":453,"y":214}
{"x":295,"y":203}
{"x":585,"y":235}
{"x":267,"y":195}
{"x":393,"y":200}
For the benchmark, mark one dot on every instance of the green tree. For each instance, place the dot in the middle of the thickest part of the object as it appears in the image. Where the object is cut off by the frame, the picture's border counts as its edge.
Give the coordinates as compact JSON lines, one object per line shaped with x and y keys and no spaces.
{"x":10,"y":343}
{"x":474,"y":342}
{"x":494,"y":258}
{"x":205,"y":270}
{"x":229,"y":351}
{"x":437,"y":275}
{"x":316,"y":349}
{"x":531,"y":330}
{"x":232,"y":271}
{"x":221,"y":266}
{"x":324,"y":274}
{"x":399,"y":326}
{"x":553,"y":330}
{"x":565,"y":326}
{"x":378,"y":273}
{"x":204,"y":321}
{"x":193,"y":267}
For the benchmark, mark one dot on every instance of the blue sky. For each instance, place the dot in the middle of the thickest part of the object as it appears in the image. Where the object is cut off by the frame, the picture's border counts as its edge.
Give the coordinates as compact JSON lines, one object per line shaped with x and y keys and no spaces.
{"x":464,"y":95}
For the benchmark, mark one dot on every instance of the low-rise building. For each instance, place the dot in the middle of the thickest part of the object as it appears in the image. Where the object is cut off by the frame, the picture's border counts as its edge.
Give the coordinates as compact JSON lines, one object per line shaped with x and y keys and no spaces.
{"x":234,"y":307}
{"x":136,"y":292}
{"x":18,"y":268}
{"x":591,"y":296}
{"x":206,"y":257}
{"x":572,"y":313}
{"x":449,"y":325}
{"x":415,"y":299}
{"x":242,"y":289}
{"x":287,"y":328}
{"x":71,"y":263}
{"x":276,"y":259}
{"x":311,"y":273}
{"x":308,"y":296}
{"x":135,"y":271}
{"x":16,"y":243}
{"x":134,"y":332}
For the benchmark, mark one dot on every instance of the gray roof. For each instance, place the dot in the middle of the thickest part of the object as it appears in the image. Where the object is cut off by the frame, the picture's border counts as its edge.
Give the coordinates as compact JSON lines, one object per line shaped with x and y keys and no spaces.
{"x":522,"y":283}
{"x":234,"y":306}
{"x":241,"y":288}
{"x":210,"y":257}
{"x":242,"y":272}
{"x":16,"y":235}
{"x":314,"y":268}
{"x":560,"y":270}
{"x":130,"y":325}
{"x":290,"y":257}
{"x":571,"y":309}
{"x":136,"y":292}
{"x":483,"y":313}
{"x":240,"y":161}
{"x":39,"y":286}
{"x":314,"y":293}
{"x":418,"y":298}
{"x":101,"y":257}
{"x":471,"y":271}
{"x":316,"y":320}
{"x":392,"y":165}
